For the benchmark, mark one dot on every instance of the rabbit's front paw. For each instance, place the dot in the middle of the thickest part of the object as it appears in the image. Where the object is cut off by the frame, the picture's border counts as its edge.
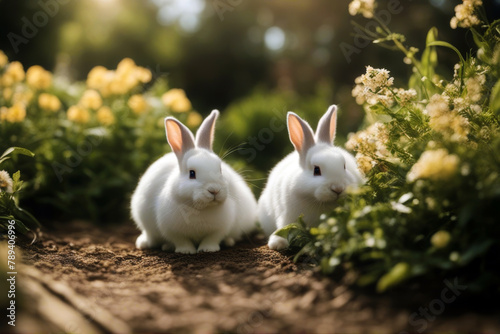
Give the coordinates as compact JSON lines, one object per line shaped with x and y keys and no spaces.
{"x":185,"y":249}
{"x":143,"y":242}
{"x":208,"y":248}
{"x":277,"y":243}
{"x":229,"y":242}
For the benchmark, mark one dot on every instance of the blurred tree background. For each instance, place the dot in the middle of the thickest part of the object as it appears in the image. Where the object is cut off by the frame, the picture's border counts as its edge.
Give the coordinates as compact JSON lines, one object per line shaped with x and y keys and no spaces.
{"x":253,"y":60}
{"x":218,"y":50}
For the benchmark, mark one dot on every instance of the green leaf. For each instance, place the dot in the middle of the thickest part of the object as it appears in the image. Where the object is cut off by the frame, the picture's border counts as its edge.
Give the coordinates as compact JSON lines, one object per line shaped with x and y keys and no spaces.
{"x":495,"y":98}
{"x":15,"y":150}
{"x":475,"y":250}
{"x":479,"y":40}
{"x":27,"y":217}
{"x":462,"y":61}
{"x":366,"y":279}
{"x":16,"y":176}
{"x":398,"y":274}
{"x":448,"y":45}
{"x":285,"y":231}
{"x":429,"y":57}
{"x":429,"y":63}
{"x":23,"y":229}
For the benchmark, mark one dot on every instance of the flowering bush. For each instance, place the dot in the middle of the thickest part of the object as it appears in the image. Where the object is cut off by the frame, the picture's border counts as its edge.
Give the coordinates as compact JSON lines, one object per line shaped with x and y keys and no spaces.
{"x":92,"y":139}
{"x":431,"y":158}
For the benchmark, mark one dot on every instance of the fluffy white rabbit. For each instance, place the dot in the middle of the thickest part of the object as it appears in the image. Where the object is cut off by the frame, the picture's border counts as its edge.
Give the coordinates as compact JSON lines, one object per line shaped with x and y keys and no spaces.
{"x":309,"y":180}
{"x":190,"y":199}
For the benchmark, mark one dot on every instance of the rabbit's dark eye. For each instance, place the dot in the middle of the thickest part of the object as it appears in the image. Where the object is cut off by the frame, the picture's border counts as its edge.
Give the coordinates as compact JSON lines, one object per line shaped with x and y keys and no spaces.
{"x":344,"y":165}
{"x":192,"y":174}
{"x":317,"y":171}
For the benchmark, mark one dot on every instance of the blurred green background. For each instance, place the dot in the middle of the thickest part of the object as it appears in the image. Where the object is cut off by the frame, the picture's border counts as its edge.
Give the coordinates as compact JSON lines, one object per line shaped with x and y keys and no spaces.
{"x":219,"y":51}
{"x":253,"y":60}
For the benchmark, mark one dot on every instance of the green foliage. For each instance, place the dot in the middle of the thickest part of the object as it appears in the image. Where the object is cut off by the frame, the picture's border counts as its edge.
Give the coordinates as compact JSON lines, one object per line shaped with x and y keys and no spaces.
{"x":430,"y":205}
{"x":15,"y":150}
{"x":92,"y":140}
{"x":9,"y":209}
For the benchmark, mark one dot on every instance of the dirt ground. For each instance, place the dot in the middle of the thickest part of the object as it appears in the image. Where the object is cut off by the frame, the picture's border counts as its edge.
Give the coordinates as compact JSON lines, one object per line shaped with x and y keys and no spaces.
{"x":98,"y":273}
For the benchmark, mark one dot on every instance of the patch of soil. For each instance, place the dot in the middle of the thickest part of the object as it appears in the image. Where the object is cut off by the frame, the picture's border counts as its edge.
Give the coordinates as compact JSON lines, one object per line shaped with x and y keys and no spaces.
{"x":247,"y":288}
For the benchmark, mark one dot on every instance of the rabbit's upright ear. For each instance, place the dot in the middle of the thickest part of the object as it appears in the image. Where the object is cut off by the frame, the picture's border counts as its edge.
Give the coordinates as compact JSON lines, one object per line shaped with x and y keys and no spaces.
{"x":179,"y":137}
{"x":327,"y":126}
{"x":205,"y":134}
{"x":301,"y":135}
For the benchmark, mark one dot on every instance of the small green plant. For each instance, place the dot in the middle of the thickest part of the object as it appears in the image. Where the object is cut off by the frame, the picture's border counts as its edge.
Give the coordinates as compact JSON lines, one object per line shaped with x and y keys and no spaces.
{"x":9,"y":197}
{"x":431,"y":158}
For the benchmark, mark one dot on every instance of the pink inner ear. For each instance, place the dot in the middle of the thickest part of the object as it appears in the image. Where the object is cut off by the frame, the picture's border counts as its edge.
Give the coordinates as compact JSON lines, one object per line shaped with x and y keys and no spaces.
{"x":296,"y":133}
{"x":174,"y":135}
{"x":333,"y":125}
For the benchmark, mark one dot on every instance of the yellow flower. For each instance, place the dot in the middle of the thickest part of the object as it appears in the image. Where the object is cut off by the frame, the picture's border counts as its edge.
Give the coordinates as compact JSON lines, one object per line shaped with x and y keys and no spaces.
{"x":13,"y":74}
{"x":143,"y":74}
{"x":3,"y":59}
{"x":138,"y":104}
{"x":440,"y":239}
{"x":91,"y":100}
{"x":434,"y":165}
{"x":176,"y":100}
{"x":38,"y":78}
{"x":7,"y":93}
{"x":126,"y":65}
{"x":22,"y":96}
{"x":121,"y":85}
{"x":49,"y":102}
{"x":194,"y":119}
{"x":105,"y":116}
{"x":6,"y":182}
{"x":121,"y":81}
{"x":78,"y":114}
{"x":97,"y":77}
{"x":3,"y":113}
{"x":16,"y":113}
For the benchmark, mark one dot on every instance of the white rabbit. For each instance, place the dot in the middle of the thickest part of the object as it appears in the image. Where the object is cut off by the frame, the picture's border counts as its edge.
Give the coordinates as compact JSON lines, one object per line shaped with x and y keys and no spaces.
{"x":190,"y":197}
{"x":309,"y":180}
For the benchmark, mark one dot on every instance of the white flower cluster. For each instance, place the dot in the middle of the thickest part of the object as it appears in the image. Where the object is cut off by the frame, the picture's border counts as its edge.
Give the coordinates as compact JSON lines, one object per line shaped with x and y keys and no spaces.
{"x":434,"y":165}
{"x":369,"y":145}
{"x":375,"y":86}
{"x":363,"y":7}
{"x":445,"y":120}
{"x":464,"y":14}
{"x":475,"y":86}
{"x":6,"y":183}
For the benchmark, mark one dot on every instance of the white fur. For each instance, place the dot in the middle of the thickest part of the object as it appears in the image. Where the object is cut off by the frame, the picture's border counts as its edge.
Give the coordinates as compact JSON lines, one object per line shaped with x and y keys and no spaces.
{"x":293,"y":189}
{"x":173,"y":210}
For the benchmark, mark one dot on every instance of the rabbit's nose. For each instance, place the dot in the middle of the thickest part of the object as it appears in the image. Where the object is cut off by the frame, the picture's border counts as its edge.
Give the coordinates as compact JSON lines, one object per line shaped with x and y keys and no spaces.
{"x":213,"y":191}
{"x":337,"y":190}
